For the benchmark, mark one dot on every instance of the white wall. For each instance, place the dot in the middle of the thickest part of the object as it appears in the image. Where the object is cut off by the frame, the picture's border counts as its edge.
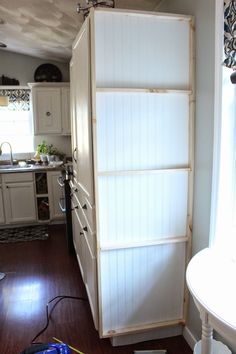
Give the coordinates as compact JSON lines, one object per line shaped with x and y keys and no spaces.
{"x":204,"y":13}
{"x":22,"y":68}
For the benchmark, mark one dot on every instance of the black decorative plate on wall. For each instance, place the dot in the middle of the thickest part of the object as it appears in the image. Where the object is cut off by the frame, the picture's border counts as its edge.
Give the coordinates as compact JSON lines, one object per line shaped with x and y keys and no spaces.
{"x":47,"y":73}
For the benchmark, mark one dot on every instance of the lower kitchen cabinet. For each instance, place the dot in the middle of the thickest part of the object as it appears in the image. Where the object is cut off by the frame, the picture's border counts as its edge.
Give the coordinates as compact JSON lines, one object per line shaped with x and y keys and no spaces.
{"x":48,"y":195}
{"x":30,"y":197}
{"x":42,"y":200}
{"x":55,"y":194}
{"x":85,"y":255}
{"x":19,"y":197}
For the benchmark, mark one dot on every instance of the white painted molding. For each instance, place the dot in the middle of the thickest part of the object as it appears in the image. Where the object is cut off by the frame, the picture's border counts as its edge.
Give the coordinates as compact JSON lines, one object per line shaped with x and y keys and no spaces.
{"x":219,"y":31}
{"x":189,"y":337}
{"x":146,"y":336}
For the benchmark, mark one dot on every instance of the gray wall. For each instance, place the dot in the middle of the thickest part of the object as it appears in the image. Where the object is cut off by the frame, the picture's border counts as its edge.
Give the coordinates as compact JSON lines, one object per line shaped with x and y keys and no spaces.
{"x":22,"y":67}
{"x":204,"y":13}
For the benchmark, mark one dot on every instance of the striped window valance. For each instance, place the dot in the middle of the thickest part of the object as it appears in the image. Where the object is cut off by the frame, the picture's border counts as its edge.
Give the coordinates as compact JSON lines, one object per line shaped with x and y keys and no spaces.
{"x":19,"y":99}
{"x":230,"y":33}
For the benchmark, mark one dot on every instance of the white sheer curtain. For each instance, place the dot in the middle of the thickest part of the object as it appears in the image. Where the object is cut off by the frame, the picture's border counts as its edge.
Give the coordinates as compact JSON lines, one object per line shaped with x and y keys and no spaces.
{"x":225,"y":221}
{"x":223,"y":213}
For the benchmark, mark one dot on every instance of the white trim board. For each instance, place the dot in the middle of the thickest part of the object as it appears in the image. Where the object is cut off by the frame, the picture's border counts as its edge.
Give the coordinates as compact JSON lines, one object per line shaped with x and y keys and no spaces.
{"x":189,"y":337}
{"x":146,"y":336}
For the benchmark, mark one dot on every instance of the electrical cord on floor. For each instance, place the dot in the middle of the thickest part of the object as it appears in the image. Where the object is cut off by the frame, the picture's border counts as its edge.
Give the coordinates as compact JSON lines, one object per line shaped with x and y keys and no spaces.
{"x":48,"y":314}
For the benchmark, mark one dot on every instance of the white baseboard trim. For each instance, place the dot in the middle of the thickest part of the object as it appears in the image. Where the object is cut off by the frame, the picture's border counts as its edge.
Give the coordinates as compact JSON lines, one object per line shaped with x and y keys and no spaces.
{"x":189,"y":337}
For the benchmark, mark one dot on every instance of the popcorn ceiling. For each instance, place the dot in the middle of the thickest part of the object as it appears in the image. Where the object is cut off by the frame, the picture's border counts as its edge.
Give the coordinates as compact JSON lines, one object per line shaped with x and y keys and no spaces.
{"x":47,"y":28}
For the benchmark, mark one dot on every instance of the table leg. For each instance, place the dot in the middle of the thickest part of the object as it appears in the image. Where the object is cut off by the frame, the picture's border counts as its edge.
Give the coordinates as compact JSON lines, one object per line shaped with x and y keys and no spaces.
{"x":207,"y":335}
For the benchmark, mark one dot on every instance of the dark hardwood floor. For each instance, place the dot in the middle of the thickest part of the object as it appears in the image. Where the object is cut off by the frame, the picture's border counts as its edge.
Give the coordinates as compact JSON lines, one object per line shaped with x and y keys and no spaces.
{"x":35,"y":273}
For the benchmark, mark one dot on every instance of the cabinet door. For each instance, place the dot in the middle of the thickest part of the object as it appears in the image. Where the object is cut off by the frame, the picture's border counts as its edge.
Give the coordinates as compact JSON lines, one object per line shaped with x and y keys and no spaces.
{"x":65,"y":110}
{"x":55,"y":193}
{"x":73,"y":117}
{"x":19,"y":200}
{"x":81,"y":87}
{"x":2,"y":218}
{"x":47,"y":110}
{"x":78,"y":239}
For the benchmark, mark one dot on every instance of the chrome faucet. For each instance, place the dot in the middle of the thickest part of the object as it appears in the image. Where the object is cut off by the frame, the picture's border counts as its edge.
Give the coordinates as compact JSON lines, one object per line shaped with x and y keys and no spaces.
{"x":11,"y":157}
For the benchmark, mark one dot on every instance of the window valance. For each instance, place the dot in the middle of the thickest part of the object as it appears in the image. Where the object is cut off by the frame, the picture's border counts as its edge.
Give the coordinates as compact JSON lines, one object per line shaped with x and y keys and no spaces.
{"x":19,"y":98}
{"x":230,"y":33}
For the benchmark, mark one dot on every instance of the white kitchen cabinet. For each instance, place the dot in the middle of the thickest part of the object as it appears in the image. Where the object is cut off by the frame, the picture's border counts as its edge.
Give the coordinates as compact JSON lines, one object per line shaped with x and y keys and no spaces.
{"x":133,"y":116}
{"x":80,"y":68}
{"x":78,"y":237}
{"x":55,"y":194}
{"x":2,"y":215}
{"x":73,"y":110}
{"x":84,"y":243}
{"x":19,"y":197}
{"x":65,"y":111}
{"x":51,"y":108}
{"x":48,"y":195}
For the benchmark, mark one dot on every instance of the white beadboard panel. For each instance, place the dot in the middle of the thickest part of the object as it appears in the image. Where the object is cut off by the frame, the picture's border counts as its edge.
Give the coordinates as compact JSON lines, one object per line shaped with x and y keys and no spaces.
{"x":142,"y":131}
{"x":142,"y":207}
{"x":141,"y":286}
{"x":139,"y":51}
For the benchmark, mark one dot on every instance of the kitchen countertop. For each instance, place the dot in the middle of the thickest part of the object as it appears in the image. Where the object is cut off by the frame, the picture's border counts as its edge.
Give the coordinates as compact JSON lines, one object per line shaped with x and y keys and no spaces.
{"x":28,"y":168}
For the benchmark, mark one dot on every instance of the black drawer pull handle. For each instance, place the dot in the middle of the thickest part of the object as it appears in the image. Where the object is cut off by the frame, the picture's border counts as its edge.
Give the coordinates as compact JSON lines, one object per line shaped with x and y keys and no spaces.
{"x":81,"y":234}
{"x":84,"y":207}
{"x":48,"y":114}
{"x":76,"y":207}
{"x":85,"y":229}
{"x":73,"y":155}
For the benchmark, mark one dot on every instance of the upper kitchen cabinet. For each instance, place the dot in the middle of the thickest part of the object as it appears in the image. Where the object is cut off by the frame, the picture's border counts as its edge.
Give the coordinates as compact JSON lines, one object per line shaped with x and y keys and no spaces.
{"x":51,"y":108}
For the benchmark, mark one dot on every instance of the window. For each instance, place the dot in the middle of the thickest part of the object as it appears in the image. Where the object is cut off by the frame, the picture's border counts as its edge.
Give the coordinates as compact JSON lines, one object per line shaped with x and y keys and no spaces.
{"x":225,"y":228}
{"x":223,"y":225}
{"x":16,"y":124}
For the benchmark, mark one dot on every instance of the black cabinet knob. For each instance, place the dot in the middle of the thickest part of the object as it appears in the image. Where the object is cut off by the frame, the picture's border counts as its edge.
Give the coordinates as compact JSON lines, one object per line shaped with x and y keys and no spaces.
{"x":85,"y":229}
{"x":84,"y":207}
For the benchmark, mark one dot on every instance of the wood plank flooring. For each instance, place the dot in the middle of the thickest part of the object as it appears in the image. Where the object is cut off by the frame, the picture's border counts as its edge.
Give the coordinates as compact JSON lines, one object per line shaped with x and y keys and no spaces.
{"x":36,"y":272}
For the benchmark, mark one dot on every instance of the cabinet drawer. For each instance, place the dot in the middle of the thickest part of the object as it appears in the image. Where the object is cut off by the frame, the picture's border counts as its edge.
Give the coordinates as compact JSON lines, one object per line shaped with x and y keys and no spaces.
{"x":18,"y":177}
{"x":88,"y":233}
{"x":89,"y":212}
{"x":78,"y":240}
{"x":87,"y":208}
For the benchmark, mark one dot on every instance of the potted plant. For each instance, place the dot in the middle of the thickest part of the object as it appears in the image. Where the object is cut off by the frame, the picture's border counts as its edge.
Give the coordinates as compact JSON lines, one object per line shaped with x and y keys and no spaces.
{"x":42,"y":151}
{"x":52,"y":152}
{"x":48,"y":153}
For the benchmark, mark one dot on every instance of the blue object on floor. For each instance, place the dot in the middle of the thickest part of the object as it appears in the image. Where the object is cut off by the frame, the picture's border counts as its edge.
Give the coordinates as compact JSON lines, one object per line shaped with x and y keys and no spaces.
{"x":52,"y":348}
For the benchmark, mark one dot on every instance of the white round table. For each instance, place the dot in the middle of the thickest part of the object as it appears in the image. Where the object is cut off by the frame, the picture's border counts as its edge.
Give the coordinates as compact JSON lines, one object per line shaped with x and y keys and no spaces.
{"x":211,"y":279}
